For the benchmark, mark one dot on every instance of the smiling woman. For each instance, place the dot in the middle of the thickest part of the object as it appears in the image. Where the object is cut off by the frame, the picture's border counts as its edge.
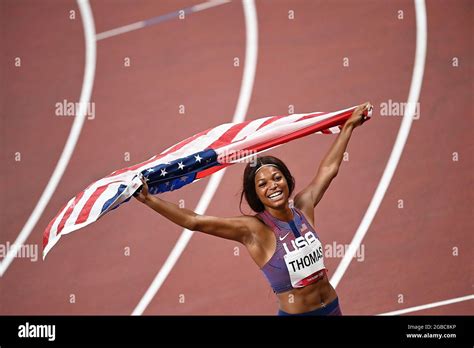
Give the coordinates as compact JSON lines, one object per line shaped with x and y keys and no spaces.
{"x":281,"y":239}
{"x":292,"y":257}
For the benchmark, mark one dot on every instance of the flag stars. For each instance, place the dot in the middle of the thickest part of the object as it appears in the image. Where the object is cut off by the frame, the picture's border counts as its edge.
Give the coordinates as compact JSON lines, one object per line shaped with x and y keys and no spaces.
{"x":181,"y":165}
{"x":163,"y":172}
{"x":150,"y":170}
{"x":184,"y":178}
{"x":198,"y":158}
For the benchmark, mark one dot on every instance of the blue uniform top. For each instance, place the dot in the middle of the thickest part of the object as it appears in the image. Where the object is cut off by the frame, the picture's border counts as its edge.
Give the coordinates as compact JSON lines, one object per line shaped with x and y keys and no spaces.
{"x":289,"y":237}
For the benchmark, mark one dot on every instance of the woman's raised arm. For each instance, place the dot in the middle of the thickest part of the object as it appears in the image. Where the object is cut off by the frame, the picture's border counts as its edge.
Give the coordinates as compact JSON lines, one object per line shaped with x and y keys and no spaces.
{"x":239,"y":228}
{"x":310,"y":196}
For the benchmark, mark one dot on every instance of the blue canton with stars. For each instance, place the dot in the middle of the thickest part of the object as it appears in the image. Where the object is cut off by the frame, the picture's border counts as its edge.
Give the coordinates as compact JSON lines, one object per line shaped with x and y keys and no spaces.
{"x":174,"y":175}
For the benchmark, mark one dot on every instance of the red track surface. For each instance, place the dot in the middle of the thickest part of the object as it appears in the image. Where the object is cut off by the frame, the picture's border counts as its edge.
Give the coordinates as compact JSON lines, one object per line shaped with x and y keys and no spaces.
{"x":408,"y":251}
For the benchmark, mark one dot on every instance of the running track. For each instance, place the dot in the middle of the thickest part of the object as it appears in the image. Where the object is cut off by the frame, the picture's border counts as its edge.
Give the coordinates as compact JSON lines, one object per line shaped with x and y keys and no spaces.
{"x":408,"y":252}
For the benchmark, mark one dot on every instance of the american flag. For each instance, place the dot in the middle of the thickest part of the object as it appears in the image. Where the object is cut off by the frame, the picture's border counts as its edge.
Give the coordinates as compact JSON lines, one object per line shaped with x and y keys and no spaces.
{"x":188,"y":161}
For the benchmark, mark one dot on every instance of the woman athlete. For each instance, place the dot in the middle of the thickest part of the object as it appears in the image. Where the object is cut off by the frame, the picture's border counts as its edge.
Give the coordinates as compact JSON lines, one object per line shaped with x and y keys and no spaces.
{"x":280,"y":238}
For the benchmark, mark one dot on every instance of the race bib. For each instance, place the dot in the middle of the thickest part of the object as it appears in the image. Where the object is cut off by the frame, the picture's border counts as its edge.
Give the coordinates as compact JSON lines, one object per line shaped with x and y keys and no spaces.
{"x":304,"y":264}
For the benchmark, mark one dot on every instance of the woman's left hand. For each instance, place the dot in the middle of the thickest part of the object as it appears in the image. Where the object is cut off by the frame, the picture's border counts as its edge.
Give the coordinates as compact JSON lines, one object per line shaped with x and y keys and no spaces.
{"x":142,"y":194}
{"x":359,"y":116}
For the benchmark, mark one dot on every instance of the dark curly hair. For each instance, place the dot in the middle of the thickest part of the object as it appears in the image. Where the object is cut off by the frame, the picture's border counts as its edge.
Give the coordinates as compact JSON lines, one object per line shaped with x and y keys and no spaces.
{"x":248,"y":189}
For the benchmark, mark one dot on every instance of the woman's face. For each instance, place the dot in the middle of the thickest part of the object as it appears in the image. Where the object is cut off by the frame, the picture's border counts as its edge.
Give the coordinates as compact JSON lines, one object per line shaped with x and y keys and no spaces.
{"x":271,"y":187}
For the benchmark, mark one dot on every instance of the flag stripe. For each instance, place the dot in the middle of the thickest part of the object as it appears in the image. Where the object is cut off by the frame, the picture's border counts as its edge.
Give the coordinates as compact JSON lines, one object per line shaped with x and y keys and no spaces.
{"x":331,"y":121}
{"x":69,"y":211}
{"x":185,"y":142}
{"x":311,"y":115}
{"x":82,"y":208}
{"x":282,"y":120}
{"x":88,"y":205}
{"x":57,"y":220}
{"x":79,"y":206}
{"x":269,"y":121}
{"x":48,"y":229}
{"x":229,"y":135}
{"x":99,"y":203}
{"x":250,"y":128}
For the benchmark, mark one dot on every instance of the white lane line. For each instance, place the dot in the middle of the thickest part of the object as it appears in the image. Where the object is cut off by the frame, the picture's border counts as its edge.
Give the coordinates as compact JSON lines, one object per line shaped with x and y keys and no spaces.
{"x":209,"y":4}
{"x":120,"y":30}
{"x":159,"y":19}
{"x":430,"y":305}
{"x":251,"y":50}
{"x":413,"y":96}
{"x":88,"y":82}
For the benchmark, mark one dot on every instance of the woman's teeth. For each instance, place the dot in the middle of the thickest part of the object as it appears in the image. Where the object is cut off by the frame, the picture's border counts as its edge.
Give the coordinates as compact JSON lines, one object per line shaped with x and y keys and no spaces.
{"x":275,"y":196}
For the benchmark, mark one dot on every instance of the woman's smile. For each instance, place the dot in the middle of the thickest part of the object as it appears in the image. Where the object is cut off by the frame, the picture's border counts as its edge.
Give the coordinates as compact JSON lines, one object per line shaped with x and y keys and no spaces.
{"x":276,"y":196}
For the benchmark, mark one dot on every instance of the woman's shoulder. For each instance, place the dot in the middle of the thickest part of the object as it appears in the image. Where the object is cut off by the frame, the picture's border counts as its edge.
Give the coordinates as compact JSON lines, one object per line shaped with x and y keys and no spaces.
{"x":252,"y":219}
{"x":256,"y":224}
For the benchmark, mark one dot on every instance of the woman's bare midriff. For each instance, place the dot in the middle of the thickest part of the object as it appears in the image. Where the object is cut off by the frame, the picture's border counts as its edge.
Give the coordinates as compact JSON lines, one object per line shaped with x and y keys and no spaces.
{"x":308,"y":298}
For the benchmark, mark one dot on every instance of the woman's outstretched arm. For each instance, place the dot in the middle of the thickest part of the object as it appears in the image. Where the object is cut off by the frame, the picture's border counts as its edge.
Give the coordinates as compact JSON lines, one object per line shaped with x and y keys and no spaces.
{"x":309,"y":197}
{"x":236,"y":228}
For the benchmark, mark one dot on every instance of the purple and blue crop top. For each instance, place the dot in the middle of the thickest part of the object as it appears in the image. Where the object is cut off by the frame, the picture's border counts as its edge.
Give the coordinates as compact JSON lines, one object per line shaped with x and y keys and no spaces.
{"x":298,"y":258}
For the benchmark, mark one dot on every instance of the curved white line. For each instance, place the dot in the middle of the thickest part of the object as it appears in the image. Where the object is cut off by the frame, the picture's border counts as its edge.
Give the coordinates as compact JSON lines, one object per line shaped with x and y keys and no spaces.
{"x":88,"y":82}
{"x":251,"y":50}
{"x":431,"y":305}
{"x":413,"y":96}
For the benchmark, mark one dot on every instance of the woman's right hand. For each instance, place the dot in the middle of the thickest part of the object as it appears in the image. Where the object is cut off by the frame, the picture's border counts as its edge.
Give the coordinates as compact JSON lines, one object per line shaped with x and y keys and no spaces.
{"x":142,"y":194}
